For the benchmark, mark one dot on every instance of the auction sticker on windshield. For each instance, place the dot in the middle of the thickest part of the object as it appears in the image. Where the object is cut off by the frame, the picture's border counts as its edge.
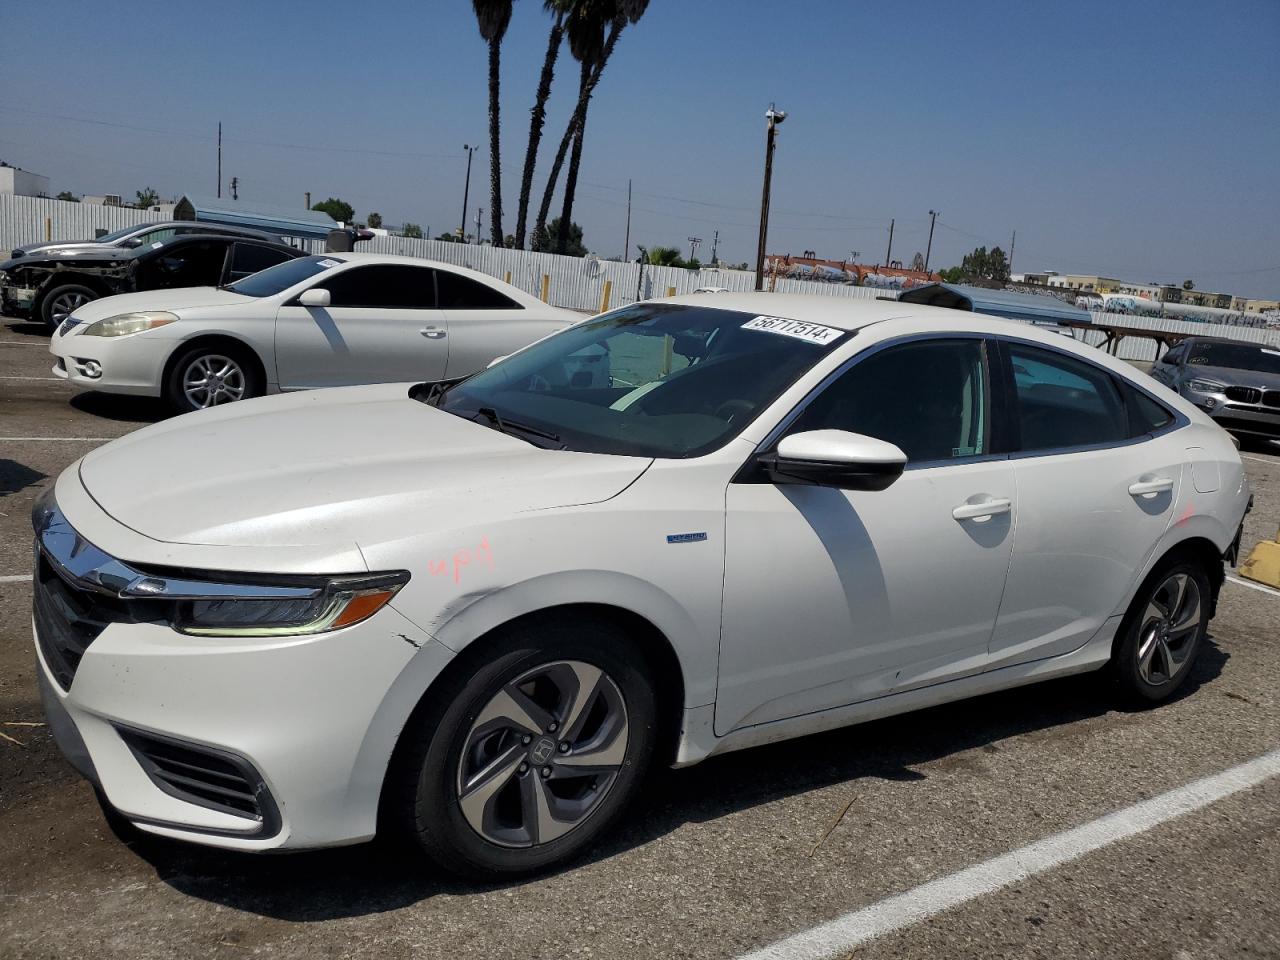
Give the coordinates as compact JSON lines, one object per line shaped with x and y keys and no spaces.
{"x":812,"y":332}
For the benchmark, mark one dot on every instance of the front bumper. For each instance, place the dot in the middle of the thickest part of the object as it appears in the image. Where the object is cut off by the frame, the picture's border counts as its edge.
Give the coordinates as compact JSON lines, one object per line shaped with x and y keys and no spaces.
{"x":16,"y":301}
{"x":176,"y":731}
{"x":1254,"y":421}
{"x":128,"y":365}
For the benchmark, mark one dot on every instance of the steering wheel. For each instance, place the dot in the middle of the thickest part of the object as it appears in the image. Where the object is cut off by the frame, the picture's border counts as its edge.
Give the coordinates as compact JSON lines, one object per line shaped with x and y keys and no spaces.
{"x":730,"y":409}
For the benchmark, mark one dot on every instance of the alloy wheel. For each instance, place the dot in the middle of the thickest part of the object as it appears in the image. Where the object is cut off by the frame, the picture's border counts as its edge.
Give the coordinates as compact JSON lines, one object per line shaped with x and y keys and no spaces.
{"x":66,"y":304}
{"x":212,"y":379}
{"x":542,"y":754}
{"x":1169,"y":629}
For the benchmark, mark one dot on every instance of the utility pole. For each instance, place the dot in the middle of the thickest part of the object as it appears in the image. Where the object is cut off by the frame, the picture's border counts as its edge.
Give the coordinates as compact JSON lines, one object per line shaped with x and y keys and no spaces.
{"x":235,"y":183}
{"x":1012,"y":243}
{"x":479,"y":214}
{"x":888,"y":254}
{"x":933,"y":217}
{"x":626,"y":240}
{"x":219,"y":159}
{"x":307,"y":194}
{"x":715,"y":245}
{"x":466,"y":191}
{"x":693,"y":246}
{"x":773,"y":118}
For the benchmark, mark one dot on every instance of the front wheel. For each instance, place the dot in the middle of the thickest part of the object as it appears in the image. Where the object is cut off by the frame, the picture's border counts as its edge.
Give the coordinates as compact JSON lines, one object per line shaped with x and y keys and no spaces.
{"x":1163,"y":631}
{"x":60,"y":302}
{"x":524,"y":762}
{"x":211,"y":375}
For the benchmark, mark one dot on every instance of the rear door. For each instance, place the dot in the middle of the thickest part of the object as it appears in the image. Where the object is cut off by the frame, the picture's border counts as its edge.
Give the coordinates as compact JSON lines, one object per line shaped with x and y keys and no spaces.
{"x":484,"y":323}
{"x":1098,"y":470}
{"x":381,"y":326}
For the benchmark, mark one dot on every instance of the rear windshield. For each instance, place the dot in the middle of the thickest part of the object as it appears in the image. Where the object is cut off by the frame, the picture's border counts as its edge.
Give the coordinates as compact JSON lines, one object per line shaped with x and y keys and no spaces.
{"x":273,"y":280}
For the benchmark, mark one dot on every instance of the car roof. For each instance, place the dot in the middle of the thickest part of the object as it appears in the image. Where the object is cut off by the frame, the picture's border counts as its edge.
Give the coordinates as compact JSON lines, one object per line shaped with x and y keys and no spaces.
{"x":367,"y":256}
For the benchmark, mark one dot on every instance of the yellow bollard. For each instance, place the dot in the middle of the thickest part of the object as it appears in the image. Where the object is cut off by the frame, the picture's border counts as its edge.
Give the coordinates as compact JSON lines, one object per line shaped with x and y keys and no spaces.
{"x":546,"y":288}
{"x":604,"y":295}
{"x":507,"y":278}
{"x":671,"y":291}
{"x":1263,"y":564}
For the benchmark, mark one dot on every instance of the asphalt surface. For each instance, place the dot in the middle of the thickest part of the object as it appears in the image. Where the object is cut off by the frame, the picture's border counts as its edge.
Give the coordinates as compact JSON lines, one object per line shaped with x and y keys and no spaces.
{"x":714,"y":861}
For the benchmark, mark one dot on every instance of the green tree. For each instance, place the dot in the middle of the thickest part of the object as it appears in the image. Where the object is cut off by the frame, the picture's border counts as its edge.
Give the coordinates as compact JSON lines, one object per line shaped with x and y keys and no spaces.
{"x":559,"y":10}
{"x":983,"y":265}
{"x":952,"y":274}
{"x":449,"y":236}
{"x":147,"y":198}
{"x":375,"y":221}
{"x":493,"y":17}
{"x":69,"y":196}
{"x":575,"y":247}
{"x":411,"y":230}
{"x":340,"y":210}
{"x":592,"y":44}
{"x":665,"y":257}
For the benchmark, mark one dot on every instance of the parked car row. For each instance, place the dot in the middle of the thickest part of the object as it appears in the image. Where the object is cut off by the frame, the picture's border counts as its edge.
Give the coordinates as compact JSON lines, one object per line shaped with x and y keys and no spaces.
{"x":474,"y":613}
{"x":1237,"y":384}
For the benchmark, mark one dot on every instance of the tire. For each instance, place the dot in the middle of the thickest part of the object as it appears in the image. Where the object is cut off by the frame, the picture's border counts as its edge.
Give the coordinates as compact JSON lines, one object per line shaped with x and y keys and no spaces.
{"x":233,"y":368}
{"x":1163,"y":630}
{"x":513,"y":710}
{"x":60,"y":302}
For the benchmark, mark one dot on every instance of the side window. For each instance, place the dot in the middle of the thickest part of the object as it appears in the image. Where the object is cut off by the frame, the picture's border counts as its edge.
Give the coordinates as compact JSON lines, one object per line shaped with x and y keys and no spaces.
{"x":1145,"y":415}
{"x":462,"y":293}
{"x":1064,"y":402}
{"x":197,"y":264}
{"x":1173,"y":355}
{"x":248,"y":258}
{"x":382,"y":286}
{"x":155,"y":236}
{"x":929,"y":398}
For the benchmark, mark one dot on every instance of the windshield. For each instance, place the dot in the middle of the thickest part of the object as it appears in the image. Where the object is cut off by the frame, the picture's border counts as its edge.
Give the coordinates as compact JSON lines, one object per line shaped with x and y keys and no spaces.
{"x":651,"y":380}
{"x":118,"y":234}
{"x":1237,"y":356}
{"x":282,"y":276}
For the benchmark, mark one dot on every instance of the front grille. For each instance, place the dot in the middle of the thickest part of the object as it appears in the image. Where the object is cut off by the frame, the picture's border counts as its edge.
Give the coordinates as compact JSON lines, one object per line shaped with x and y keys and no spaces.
{"x":1250,"y":395}
{"x":68,"y":619}
{"x":1248,"y":426}
{"x":214,"y":779}
{"x":1271,"y":398}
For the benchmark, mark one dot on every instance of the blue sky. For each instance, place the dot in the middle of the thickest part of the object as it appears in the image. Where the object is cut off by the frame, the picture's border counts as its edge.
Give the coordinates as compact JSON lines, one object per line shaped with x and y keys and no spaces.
{"x":1133,"y":138}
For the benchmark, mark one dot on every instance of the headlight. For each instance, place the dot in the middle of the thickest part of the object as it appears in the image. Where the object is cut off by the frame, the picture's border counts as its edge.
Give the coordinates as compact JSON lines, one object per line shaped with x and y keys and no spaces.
{"x":1207,"y":386}
{"x":237,"y":610}
{"x":127,"y":323}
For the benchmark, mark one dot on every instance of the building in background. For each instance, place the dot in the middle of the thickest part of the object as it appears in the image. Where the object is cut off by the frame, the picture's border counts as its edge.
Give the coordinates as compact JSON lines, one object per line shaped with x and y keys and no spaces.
{"x":22,"y":183}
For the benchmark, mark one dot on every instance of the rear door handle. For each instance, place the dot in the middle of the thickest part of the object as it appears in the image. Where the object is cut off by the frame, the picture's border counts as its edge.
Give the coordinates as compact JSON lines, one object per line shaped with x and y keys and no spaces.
{"x":1150,"y":486}
{"x":433,"y":333}
{"x":983,"y":510}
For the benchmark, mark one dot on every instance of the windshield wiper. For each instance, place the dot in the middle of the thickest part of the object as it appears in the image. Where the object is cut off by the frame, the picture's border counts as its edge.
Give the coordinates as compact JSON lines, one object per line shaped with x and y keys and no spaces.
{"x":507,"y":426}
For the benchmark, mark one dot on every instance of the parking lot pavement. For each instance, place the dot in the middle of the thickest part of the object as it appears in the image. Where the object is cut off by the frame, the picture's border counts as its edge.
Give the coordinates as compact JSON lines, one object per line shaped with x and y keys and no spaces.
{"x":715,"y":861}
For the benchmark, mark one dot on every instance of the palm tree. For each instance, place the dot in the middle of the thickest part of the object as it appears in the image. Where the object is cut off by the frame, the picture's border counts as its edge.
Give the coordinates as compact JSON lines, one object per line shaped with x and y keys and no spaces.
{"x":493,"y":17}
{"x":559,"y":10}
{"x":589,"y":37}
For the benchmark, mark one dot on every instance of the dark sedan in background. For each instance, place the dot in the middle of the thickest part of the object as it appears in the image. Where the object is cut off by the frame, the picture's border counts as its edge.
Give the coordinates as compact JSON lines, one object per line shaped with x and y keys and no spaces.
{"x":49,"y":285}
{"x":1238,"y":384}
{"x":141,"y":235}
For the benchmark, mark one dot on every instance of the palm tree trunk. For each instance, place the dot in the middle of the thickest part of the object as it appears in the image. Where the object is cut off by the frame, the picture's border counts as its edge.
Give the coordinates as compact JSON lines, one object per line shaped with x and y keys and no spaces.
{"x":571,"y":178}
{"x":495,"y":158}
{"x":579,"y":117}
{"x":536,"y":124}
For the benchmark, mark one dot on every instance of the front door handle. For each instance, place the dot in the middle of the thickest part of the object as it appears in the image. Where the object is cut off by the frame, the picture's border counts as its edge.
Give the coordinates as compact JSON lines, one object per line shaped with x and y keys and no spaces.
{"x":1150,"y":486}
{"x":432,"y":333}
{"x":983,"y":509}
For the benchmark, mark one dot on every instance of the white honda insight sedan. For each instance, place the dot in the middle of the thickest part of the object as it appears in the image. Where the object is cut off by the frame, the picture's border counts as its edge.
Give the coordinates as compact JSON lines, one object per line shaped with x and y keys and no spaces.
{"x":475,"y":614}
{"x":330,"y":320}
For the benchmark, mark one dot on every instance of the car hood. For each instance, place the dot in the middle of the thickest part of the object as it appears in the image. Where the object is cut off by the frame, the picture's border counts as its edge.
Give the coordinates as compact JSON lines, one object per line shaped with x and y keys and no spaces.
{"x":70,"y":248}
{"x":1233,"y":376}
{"x":179,"y":299}
{"x":350,"y":465}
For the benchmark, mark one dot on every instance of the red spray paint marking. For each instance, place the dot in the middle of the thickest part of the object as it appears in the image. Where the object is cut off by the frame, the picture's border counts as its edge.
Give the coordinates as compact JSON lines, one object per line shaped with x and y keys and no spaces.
{"x":1187,"y":514}
{"x":483,"y":554}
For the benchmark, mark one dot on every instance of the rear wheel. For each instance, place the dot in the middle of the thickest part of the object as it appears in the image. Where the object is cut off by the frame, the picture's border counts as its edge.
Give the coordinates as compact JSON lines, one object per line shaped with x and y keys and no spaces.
{"x":524,"y":762}
{"x":60,"y":302}
{"x":209,"y":375}
{"x":1163,"y":631}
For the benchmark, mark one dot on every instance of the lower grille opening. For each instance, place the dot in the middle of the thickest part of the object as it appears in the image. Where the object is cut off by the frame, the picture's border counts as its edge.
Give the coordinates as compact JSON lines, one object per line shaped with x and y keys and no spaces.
{"x":1248,"y":426}
{"x":68,"y":620}
{"x":215,"y":779}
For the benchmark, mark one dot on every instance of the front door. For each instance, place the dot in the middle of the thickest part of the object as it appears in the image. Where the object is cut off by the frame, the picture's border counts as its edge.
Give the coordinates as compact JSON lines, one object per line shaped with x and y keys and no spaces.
{"x":381,"y":326}
{"x":835,"y":596}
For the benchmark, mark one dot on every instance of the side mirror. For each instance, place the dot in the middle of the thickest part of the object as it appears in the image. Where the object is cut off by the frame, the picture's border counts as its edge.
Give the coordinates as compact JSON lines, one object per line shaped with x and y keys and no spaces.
{"x":835,"y":458}
{"x":132,"y":242}
{"x":315,"y":297}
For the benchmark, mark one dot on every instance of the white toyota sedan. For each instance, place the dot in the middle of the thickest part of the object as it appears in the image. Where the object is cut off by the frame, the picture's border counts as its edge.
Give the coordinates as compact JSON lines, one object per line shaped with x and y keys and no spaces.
{"x":323,"y":321}
{"x":475,"y":614}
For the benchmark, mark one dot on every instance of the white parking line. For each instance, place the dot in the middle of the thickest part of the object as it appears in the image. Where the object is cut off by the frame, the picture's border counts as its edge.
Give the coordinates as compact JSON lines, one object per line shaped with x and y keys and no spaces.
{"x":23,"y":343}
{"x":1254,"y":586}
{"x":67,"y":439}
{"x":20,"y":578}
{"x":906,"y":909}
{"x":1245,"y":456}
{"x":50,"y":379}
